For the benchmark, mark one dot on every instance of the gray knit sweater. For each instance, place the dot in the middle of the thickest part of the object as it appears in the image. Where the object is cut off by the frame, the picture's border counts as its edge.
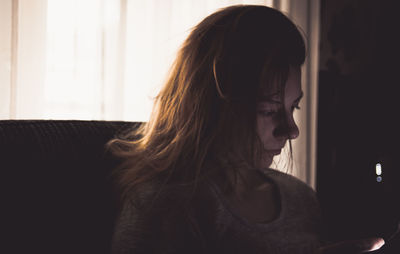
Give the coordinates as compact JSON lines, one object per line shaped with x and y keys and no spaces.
{"x":206,"y":224}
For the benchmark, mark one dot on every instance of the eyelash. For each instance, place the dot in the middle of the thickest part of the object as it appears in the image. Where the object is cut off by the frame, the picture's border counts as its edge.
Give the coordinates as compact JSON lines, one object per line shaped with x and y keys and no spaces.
{"x":273,"y":112}
{"x":296,"y":107}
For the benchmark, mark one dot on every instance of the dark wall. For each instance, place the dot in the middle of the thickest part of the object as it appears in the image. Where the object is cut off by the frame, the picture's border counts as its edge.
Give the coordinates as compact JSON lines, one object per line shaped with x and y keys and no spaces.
{"x":358,"y":119}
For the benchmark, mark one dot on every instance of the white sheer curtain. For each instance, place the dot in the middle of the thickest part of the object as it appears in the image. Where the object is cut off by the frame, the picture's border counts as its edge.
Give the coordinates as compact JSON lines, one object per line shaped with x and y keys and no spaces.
{"x":106,"y":59}
{"x":155,"y":30}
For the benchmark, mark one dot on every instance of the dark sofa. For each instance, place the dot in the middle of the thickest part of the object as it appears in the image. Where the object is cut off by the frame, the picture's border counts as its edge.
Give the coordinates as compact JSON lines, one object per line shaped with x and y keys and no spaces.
{"x":56,"y":185}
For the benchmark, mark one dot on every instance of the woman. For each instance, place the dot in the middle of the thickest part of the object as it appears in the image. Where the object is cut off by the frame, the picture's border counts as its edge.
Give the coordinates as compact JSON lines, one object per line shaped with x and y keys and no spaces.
{"x":196,"y":177}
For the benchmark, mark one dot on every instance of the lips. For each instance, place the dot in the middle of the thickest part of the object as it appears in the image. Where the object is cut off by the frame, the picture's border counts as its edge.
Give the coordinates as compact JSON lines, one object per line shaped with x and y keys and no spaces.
{"x":274,"y":152}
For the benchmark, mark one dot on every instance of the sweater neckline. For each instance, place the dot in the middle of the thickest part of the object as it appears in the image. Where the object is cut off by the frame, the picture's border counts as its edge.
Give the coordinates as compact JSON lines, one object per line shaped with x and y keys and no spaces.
{"x":268,"y":174}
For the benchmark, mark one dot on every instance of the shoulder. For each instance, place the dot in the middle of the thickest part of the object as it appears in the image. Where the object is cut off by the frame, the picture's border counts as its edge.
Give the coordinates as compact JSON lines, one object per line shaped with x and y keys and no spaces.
{"x":159,"y":197}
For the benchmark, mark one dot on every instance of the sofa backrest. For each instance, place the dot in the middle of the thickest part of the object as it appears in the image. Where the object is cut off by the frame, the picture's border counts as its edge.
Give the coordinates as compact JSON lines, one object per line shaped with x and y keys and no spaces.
{"x":55,"y":176}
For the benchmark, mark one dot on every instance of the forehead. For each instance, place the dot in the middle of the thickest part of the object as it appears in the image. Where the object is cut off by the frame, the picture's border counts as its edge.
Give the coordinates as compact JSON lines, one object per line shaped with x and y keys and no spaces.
{"x":292,"y":88}
{"x":270,"y":90}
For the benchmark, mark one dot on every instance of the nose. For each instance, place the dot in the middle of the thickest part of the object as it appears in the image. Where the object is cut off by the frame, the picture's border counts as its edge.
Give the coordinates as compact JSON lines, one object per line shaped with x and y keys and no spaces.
{"x":287,"y":128}
{"x":293,"y":132}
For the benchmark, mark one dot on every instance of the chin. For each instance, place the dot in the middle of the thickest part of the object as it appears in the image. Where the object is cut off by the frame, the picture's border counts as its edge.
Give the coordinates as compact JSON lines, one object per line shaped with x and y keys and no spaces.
{"x":266,"y":162}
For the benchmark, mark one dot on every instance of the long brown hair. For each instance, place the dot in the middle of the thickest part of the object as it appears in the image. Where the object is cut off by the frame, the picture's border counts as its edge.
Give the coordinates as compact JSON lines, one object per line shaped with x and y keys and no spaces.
{"x":203,"y":122}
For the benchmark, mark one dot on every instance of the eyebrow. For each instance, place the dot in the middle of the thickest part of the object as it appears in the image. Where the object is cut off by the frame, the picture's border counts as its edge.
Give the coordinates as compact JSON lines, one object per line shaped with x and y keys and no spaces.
{"x":270,"y":98}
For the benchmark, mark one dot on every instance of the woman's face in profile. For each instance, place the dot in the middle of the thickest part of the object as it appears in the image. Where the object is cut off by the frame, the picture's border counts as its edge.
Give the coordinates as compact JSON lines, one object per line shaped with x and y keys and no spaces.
{"x":275,"y":122}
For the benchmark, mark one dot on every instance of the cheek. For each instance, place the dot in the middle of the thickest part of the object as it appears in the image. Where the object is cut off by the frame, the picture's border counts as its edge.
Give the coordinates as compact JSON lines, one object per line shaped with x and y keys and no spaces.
{"x":265,"y":127}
